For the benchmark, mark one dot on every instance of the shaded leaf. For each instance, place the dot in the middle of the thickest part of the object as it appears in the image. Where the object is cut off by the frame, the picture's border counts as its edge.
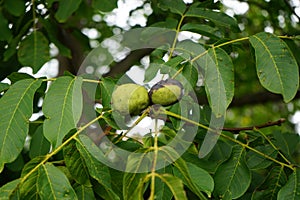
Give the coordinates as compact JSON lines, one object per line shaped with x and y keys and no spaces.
{"x":175,"y":6}
{"x":162,"y":191}
{"x":270,"y":187}
{"x":255,"y":161}
{"x":53,"y":183}
{"x":84,"y":192}
{"x":276,"y":67}
{"x":3,"y":87}
{"x":34,"y":51}
{"x":6,"y":33}
{"x":175,"y":184}
{"x":52,"y":33}
{"x":65,"y":9}
{"x":286,"y":142}
{"x":104,"y":5}
{"x":76,"y":164}
{"x":291,"y":190}
{"x":219,"y":18}
{"x":16,"y":7}
{"x":98,"y":170}
{"x":8,"y":189}
{"x":203,"y":30}
{"x":233,"y":177}
{"x":15,"y":109}
{"x":39,"y":145}
{"x":62,"y":108}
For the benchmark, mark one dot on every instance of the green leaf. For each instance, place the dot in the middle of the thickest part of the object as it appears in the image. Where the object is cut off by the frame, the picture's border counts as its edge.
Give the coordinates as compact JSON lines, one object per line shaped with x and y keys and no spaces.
{"x":233,"y":177}
{"x":203,"y":30}
{"x":201,"y":178}
{"x":6,"y":34}
{"x":175,"y":185}
{"x":34,"y":51}
{"x":53,"y":183}
{"x":287,"y":142}
{"x":219,"y":18}
{"x":62,"y":108}
{"x":8,"y":189}
{"x":255,"y":161}
{"x":175,"y":6}
{"x":291,"y":191}
{"x":3,"y":87}
{"x":52,"y":33}
{"x":16,"y":7}
{"x":162,"y":191}
{"x":84,"y":192}
{"x":76,"y":164}
{"x":65,"y":9}
{"x":98,"y":170}
{"x":15,"y":109}
{"x":134,"y":180}
{"x":104,"y":5}
{"x":39,"y":145}
{"x":107,"y":86}
{"x":180,"y":164}
{"x":218,"y":79}
{"x":270,"y":187}
{"x":28,"y":188}
{"x":276,"y":67}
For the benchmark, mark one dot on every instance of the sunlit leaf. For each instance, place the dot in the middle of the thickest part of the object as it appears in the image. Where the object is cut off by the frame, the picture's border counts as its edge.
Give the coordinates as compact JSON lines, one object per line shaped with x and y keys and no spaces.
{"x":233,"y":177}
{"x":276,"y":66}
{"x":107,"y":86}
{"x":62,"y":108}
{"x":34,"y":51}
{"x":15,"y":109}
{"x":8,"y":189}
{"x":66,"y":8}
{"x":53,"y":183}
{"x":175,"y":185}
{"x":291,"y":190}
{"x":218,"y":79}
{"x":134,"y":180}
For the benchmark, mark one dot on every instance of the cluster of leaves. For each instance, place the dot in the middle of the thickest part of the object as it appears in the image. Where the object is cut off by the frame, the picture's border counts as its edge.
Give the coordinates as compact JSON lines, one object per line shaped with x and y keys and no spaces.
{"x":61,"y":161}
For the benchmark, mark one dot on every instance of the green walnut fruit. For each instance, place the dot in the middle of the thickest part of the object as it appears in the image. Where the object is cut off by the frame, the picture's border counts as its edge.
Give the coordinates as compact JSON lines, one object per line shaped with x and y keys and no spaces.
{"x":130,"y":99}
{"x":166,"y":92}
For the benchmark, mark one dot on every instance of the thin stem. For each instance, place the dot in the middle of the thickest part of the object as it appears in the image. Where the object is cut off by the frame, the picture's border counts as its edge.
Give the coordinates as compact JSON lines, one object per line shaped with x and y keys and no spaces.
{"x":155,"y":148}
{"x":145,"y":113}
{"x":229,"y":138}
{"x":176,"y":36}
{"x":220,"y":45}
{"x":274,"y":147}
{"x":48,"y":156}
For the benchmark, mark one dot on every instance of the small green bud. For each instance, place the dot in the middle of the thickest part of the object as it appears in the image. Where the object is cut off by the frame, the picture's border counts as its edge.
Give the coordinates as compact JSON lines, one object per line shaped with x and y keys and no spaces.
{"x":166,"y":92}
{"x":130,"y":99}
